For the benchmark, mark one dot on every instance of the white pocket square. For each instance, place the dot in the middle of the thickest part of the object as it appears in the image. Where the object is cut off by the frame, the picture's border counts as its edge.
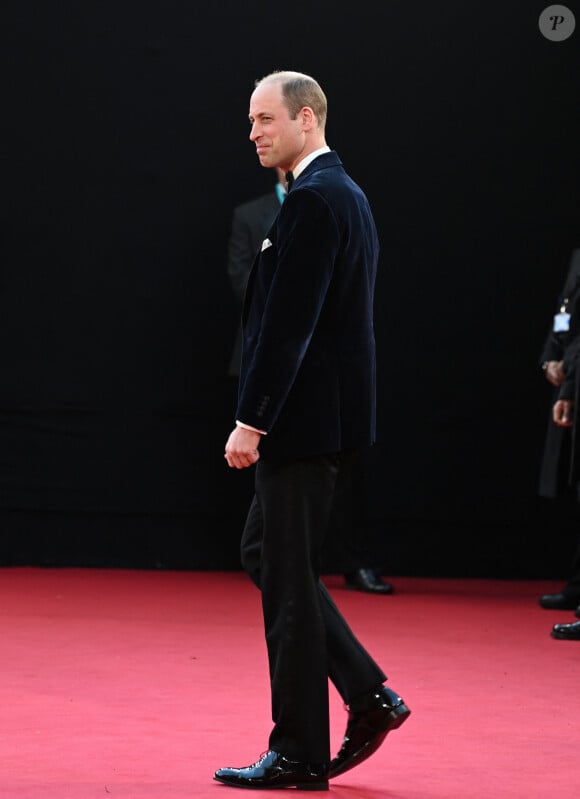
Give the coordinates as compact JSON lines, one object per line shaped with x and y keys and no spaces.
{"x":265,"y":244}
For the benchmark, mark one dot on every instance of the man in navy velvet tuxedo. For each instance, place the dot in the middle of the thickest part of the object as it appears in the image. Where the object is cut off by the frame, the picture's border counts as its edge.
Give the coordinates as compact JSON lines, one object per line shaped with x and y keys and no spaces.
{"x":251,"y":221}
{"x":306,"y":405}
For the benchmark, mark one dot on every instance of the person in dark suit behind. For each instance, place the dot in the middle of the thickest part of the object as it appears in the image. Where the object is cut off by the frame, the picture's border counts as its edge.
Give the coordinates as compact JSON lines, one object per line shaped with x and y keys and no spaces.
{"x":555,"y":482}
{"x":349,"y":551}
{"x":306,"y":403}
{"x":562,"y":368}
{"x":250,"y":223}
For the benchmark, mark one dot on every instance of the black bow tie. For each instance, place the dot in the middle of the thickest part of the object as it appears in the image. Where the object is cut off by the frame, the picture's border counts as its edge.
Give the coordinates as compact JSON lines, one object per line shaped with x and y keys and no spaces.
{"x":289,"y":181}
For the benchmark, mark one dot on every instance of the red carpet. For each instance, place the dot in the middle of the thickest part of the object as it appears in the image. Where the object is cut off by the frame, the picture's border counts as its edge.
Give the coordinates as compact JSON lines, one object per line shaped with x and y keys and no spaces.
{"x":140,"y":684}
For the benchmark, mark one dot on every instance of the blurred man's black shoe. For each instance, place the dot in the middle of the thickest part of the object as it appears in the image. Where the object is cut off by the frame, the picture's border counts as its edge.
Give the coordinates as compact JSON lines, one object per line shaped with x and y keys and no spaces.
{"x":367,"y":580}
{"x":559,"y":602}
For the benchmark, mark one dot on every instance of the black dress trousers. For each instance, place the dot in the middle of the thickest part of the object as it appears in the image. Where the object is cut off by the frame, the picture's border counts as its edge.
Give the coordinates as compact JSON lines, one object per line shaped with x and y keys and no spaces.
{"x":307,"y":638}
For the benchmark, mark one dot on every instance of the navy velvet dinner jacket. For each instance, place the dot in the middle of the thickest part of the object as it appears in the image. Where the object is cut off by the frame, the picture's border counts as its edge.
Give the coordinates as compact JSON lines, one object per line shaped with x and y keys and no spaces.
{"x":308,"y":355}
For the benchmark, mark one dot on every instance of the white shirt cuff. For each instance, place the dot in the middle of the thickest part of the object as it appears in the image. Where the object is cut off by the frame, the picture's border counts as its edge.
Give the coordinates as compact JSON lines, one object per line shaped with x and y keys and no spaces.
{"x":249,"y":427}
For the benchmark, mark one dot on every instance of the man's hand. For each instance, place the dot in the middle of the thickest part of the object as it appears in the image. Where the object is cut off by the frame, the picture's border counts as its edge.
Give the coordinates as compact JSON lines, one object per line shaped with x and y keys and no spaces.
{"x":555,"y":373}
{"x":562,"y":413}
{"x":242,"y":448}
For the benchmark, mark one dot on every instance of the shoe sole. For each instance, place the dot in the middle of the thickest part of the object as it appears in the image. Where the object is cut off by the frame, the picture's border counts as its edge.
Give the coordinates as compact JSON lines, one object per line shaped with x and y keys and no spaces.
{"x":255,"y":786}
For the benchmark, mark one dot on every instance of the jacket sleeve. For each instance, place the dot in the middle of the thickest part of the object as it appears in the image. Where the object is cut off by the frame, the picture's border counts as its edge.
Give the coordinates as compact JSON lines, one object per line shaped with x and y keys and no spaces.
{"x":553,"y":349}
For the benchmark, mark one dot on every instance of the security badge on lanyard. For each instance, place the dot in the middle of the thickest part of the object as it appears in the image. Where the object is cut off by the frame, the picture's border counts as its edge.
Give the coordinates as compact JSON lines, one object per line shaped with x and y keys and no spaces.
{"x":562,"y":319}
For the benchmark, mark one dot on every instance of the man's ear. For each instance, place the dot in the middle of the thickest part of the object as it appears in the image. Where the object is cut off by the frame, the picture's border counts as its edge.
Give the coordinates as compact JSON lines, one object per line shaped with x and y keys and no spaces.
{"x":306,"y":115}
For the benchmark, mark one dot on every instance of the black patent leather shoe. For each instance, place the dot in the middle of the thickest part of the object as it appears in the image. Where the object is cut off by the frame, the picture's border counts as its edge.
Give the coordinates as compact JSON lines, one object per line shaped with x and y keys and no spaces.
{"x":367,"y":580}
{"x":567,"y":632}
{"x":273,"y":770}
{"x":558,"y":602}
{"x":370,"y":719}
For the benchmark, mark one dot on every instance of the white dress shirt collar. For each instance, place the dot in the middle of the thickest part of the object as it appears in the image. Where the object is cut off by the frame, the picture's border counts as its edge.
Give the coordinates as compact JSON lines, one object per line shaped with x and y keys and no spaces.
{"x":301,"y":166}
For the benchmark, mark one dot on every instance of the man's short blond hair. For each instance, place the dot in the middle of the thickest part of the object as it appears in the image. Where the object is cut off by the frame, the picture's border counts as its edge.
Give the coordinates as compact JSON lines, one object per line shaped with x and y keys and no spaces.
{"x":299,"y":90}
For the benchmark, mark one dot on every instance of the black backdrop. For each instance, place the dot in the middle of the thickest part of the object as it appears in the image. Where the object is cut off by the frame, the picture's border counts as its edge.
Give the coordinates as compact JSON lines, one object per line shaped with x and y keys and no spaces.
{"x":124,"y":151}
